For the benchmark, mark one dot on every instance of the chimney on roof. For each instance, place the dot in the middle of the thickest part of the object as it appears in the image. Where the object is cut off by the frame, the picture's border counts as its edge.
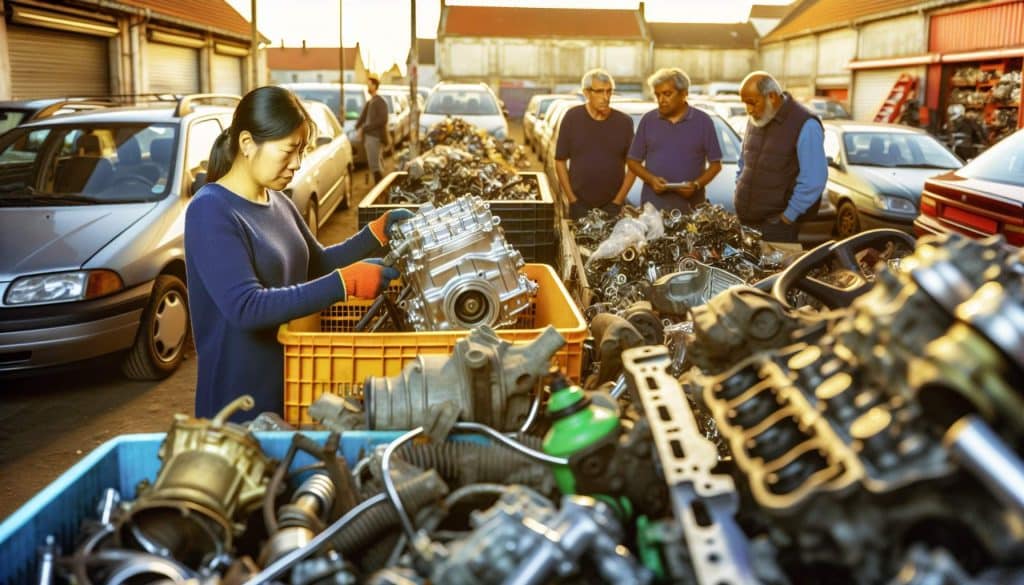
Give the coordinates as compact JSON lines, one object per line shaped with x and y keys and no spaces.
{"x":641,"y":9}
{"x":303,"y":45}
{"x":282,"y":42}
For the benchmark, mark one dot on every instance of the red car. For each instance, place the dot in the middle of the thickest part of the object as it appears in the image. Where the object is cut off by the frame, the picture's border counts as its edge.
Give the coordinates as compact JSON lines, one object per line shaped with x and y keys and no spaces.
{"x":984,"y":197}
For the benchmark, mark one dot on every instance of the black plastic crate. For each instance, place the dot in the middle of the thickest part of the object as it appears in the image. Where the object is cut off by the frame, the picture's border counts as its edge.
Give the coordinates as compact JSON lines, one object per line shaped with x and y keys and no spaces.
{"x":536,"y":217}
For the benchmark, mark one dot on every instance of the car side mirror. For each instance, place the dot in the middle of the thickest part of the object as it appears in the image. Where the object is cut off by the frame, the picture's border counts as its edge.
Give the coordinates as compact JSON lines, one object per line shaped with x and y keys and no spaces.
{"x":832,"y":162}
{"x":322,"y":141}
{"x":197,"y":182}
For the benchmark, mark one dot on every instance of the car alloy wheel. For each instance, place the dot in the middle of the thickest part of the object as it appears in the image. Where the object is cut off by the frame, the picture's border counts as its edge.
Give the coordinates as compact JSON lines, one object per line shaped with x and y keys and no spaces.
{"x":847,"y":220}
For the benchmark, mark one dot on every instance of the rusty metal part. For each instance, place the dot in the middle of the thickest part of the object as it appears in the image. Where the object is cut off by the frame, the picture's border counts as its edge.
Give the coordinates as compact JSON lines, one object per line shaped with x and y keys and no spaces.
{"x":213,"y":475}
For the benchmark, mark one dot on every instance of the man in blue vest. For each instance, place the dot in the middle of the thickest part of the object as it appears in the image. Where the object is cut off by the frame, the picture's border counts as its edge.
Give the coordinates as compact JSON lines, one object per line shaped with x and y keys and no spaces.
{"x":782,"y":168}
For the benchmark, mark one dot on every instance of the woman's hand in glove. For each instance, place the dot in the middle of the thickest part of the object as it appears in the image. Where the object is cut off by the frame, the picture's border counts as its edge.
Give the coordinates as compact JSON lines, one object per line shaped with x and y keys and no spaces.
{"x":381,"y":227}
{"x":366,"y":279}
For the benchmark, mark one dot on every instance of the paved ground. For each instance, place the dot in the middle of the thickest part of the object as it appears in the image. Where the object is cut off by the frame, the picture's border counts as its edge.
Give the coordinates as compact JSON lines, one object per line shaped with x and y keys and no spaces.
{"x":48,"y":422}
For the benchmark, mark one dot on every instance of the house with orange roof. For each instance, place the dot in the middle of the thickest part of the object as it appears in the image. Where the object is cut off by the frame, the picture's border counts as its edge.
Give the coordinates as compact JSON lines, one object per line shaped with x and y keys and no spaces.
{"x":317,"y":64}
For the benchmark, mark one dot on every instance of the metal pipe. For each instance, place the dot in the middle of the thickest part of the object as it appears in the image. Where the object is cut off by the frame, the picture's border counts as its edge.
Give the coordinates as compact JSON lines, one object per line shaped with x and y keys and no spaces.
{"x":286,"y":562}
{"x":619,"y":387}
{"x":984,"y":453}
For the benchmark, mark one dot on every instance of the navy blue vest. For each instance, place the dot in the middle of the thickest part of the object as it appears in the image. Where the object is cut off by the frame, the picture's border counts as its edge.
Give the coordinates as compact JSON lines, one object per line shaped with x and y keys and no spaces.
{"x":770,"y":165}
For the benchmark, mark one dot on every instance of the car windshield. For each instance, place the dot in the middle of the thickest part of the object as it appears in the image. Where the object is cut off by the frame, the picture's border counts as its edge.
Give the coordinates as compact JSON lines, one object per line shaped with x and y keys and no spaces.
{"x":830,"y":110}
{"x":11,"y":118}
{"x":353,"y":101}
{"x":728,"y":140}
{"x":390,"y":101}
{"x":545,"y":103}
{"x":461,"y":103}
{"x":897,"y":149}
{"x":1003,"y":163}
{"x":69,"y":164}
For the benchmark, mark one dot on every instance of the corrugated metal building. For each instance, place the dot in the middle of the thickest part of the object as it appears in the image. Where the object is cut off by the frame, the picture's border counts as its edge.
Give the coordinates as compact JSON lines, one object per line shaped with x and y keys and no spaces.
{"x":706,"y":52}
{"x":520,"y":51}
{"x":103,"y":47}
{"x":853,"y":51}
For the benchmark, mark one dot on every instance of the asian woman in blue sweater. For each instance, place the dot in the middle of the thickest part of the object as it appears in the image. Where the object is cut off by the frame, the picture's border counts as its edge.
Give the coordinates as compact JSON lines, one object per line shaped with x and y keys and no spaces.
{"x":251,"y":261}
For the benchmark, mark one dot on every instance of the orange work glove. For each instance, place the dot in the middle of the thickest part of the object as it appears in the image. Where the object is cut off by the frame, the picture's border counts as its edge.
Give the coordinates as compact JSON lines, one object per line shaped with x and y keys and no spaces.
{"x":381,"y":227}
{"x":366,"y":279}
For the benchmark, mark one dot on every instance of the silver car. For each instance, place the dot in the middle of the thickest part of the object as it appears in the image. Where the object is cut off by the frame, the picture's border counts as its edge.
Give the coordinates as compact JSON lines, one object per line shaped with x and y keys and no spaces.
{"x":876,"y":173}
{"x":356,"y":96}
{"x":324,"y":181}
{"x":92,"y":210}
{"x":473,"y":102}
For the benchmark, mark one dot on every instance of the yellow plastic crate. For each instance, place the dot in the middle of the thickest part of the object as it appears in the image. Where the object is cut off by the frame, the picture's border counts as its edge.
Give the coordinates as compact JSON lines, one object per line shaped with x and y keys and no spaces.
{"x":323,"y":354}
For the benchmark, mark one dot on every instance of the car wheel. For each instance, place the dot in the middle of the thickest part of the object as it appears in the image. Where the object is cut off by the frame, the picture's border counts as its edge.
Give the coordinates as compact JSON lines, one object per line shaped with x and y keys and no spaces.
{"x":313,"y":216}
{"x":160,"y":342}
{"x":847,"y":220}
{"x":347,"y":188}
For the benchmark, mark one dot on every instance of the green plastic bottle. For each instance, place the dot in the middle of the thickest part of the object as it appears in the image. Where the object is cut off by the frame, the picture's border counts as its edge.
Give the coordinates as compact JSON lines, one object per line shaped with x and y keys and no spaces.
{"x":578,"y":424}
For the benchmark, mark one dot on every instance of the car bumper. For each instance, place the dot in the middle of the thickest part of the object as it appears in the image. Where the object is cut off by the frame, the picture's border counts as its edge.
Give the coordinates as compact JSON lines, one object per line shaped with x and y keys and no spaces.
{"x":926,"y":225}
{"x":898,"y":222}
{"x":52,"y":335}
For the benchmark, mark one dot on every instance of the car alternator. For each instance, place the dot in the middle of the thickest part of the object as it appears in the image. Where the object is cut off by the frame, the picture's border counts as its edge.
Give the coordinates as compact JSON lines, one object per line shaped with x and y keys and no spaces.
{"x":461,"y":271}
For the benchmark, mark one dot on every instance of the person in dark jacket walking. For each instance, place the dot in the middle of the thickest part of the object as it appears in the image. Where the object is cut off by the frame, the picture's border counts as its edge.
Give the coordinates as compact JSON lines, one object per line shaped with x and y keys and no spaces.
{"x":251,"y":261}
{"x":782,"y":166}
{"x":373,"y":128}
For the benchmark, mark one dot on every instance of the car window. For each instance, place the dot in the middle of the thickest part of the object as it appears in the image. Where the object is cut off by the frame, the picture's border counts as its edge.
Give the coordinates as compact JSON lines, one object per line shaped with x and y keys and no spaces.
{"x":17,"y":160}
{"x":891,"y":149}
{"x":326,"y":123}
{"x":201,"y":137}
{"x":1003,"y":163}
{"x":11,"y":118}
{"x":832,"y":145}
{"x":113,"y":163}
{"x":462,"y":103}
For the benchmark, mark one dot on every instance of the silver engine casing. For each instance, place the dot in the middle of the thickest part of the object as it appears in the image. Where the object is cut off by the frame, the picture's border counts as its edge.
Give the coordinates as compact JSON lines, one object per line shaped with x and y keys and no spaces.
{"x":461,"y":271}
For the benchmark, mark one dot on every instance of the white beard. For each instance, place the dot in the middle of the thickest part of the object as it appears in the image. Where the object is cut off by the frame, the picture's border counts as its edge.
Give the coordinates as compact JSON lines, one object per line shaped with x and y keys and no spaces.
{"x":769,"y":112}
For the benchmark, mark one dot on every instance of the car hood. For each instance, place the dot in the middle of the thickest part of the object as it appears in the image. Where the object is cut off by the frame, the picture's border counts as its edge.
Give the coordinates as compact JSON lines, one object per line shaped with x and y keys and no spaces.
{"x":904,"y":182}
{"x":52,"y":239}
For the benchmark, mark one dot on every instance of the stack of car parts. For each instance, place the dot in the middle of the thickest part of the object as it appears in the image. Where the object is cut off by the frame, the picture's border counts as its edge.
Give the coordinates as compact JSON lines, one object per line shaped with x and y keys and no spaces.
{"x":454,"y":131}
{"x":459,"y":270}
{"x":445,"y":173}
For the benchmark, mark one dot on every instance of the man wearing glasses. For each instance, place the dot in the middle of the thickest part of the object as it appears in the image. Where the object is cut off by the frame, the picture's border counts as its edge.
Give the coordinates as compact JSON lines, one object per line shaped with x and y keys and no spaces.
{"x":676,"y":151}
{"x":590,"y":156}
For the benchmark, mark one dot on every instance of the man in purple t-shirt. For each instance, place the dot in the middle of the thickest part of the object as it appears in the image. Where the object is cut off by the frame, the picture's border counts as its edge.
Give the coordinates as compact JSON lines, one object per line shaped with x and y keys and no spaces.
{"x":594,"y":139}
{"x":675,"y":151}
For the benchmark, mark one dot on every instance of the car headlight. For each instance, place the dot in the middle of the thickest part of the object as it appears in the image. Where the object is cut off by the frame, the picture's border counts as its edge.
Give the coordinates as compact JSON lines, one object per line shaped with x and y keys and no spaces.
{"x":62,"y":287}
{"x":897,"y":204}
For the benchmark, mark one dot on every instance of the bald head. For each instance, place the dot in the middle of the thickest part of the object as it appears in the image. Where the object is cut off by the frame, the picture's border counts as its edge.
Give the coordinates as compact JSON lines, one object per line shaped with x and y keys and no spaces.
{"x":762,"y":95}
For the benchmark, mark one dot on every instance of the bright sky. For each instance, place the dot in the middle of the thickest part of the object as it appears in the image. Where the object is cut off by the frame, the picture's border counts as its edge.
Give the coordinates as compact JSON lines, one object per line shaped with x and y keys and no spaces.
{"x":382,"y":26}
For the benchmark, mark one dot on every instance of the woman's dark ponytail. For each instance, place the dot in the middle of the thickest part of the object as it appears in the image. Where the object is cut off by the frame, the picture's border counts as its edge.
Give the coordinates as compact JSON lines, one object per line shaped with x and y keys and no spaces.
{"x":221,"y":156}
{"x":268,"y":113}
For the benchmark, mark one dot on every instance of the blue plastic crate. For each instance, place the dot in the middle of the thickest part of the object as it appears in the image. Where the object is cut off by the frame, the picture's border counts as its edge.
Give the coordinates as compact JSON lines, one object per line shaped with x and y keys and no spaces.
{"x":119,"y":463}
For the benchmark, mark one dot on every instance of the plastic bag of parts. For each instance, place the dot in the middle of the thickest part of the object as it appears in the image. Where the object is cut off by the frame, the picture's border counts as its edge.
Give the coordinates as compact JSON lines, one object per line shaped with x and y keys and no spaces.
{"x":651,"y":218}
{"x":631,"y":232}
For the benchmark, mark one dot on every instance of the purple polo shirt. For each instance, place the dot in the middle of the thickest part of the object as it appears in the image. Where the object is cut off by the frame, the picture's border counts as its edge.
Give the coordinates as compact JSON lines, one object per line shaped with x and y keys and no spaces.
{"x":677,"y":152}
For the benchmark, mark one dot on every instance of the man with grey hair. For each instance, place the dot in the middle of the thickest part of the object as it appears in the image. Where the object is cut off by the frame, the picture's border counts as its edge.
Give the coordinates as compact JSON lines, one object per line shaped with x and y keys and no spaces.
{"x":590,"y":155}
{"x":676,"y":150}
{"x":782,"y":167}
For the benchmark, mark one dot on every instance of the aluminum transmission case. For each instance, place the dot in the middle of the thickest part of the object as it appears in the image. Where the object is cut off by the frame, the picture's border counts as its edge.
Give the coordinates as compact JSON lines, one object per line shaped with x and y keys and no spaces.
{"x":461,"y":271}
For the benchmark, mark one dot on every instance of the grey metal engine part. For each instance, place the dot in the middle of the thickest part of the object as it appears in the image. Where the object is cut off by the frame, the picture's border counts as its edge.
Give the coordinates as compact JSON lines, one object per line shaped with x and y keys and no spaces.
{"x":523,"y":540}
{"x":695,"y":284}
{"x":213,"y":475}
{"x":490,"y":380}
{"x":838,"y":435}
{"x":460,"y":269}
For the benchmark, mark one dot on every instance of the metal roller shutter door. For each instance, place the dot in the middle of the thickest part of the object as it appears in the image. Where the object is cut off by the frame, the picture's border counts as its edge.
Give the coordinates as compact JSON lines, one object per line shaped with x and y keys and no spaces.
{"x":871,"y":87}
{"x":227,"y":74}
{"x":52,"y":63}
{"x":172,"y":69}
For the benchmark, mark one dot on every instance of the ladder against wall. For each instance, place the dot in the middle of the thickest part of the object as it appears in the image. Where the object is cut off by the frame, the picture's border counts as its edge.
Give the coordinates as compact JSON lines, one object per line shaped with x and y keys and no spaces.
{"x":904,"y":89}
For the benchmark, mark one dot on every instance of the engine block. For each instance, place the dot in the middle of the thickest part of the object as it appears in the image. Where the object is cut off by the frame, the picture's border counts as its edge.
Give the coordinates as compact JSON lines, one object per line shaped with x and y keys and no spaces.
{"x":460,"y":270}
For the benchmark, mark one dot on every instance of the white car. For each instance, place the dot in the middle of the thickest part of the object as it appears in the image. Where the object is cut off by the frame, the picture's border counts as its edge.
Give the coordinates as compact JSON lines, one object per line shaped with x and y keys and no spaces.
{"x":473,"y":102}
{"x":324,"y":181}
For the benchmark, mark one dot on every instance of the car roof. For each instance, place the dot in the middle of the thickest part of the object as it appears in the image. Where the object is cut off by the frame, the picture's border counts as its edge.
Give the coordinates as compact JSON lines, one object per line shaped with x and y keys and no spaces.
{"x":855,"y":126}
{"x":148,"y":113}
{"x":460,"y":86}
